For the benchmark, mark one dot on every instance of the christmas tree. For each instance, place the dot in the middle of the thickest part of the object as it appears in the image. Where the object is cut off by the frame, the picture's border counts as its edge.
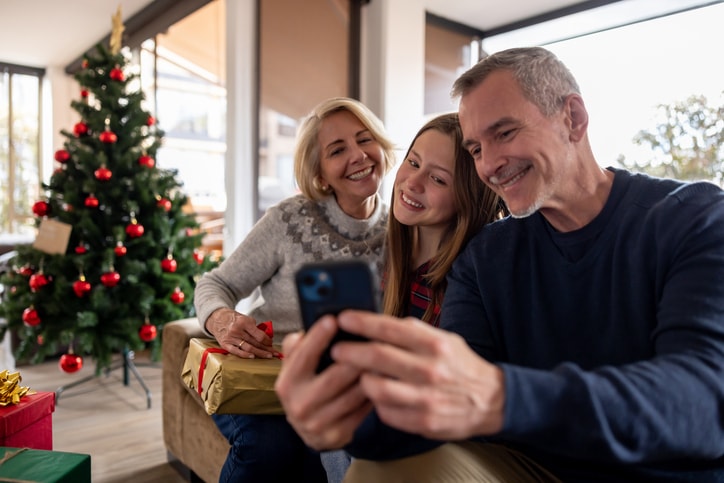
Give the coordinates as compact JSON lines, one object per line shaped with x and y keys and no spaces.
{"x":132,"y":254}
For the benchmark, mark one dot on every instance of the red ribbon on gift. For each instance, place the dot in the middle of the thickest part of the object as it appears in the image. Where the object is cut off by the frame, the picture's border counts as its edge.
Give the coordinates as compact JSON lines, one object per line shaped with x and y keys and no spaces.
{"x":202,"y":366}
{"x":265,"y":326}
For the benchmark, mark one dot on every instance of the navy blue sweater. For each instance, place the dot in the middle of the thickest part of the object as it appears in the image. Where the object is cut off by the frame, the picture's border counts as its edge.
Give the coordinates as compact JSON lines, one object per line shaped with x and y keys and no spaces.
{"x":611,"y":337}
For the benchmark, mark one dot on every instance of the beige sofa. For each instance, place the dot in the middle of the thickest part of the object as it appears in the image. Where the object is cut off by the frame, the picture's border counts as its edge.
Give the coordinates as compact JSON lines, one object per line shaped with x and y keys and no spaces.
{"x":193,"y":442}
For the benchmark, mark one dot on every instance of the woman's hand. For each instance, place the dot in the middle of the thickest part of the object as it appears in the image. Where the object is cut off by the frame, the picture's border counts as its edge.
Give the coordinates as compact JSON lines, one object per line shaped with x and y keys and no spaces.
{"x":325,"y":409}
{"x":238,"y":334}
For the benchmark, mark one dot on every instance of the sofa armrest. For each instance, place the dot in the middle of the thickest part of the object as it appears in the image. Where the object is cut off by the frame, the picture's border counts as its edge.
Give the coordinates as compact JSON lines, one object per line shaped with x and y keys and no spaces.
{"x":189,"y":434}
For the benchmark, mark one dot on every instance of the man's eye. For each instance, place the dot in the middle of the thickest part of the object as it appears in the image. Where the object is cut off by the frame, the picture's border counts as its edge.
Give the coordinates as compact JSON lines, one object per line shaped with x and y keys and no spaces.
{"x":506,"y":134}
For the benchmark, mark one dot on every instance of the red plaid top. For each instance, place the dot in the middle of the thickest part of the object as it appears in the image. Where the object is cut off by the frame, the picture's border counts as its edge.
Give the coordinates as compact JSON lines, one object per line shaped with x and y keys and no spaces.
{"x":420,"y":294}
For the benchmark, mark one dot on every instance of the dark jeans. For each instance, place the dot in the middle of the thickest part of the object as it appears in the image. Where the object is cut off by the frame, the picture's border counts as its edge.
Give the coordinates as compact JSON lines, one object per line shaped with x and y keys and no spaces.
{"x":266,"y":448}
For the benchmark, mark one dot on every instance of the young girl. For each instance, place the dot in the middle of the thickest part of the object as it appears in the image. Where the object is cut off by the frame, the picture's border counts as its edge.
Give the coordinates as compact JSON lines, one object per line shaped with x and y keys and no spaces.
{"x":438,"y":203}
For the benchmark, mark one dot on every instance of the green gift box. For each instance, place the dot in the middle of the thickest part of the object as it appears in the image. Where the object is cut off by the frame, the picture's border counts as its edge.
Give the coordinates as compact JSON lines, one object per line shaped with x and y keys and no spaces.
{"x":41,"y":466}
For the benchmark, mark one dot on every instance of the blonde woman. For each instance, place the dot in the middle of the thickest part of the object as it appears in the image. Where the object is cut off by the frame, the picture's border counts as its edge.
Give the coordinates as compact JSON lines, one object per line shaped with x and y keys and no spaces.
{"x":341,"y":157}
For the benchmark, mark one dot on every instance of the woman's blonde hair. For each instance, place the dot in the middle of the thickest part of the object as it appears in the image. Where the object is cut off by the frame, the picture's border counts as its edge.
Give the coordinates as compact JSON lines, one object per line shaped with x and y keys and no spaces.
{"x":475,"y":205}
{"x":307,"y":154}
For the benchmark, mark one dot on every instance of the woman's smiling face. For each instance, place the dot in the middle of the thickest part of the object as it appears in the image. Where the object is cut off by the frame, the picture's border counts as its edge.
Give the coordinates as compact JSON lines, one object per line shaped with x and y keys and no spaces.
{"x":350,"y":160}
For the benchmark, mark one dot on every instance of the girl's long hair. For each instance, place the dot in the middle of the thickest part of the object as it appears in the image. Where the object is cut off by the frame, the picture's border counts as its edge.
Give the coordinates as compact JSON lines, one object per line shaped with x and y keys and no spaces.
{"x":475,"y":205}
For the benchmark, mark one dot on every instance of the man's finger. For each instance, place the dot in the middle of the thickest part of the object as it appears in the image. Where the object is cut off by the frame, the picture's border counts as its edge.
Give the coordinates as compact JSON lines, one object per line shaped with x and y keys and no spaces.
{"x":408,"y":333}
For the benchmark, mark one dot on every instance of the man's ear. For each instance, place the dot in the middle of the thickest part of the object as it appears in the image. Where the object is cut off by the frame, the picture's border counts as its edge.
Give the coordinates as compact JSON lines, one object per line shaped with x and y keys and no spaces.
{"x":577,"y":117}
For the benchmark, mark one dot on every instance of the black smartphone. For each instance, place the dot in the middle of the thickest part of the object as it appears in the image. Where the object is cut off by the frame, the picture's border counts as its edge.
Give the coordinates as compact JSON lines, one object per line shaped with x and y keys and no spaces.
{"x":331,"y":287}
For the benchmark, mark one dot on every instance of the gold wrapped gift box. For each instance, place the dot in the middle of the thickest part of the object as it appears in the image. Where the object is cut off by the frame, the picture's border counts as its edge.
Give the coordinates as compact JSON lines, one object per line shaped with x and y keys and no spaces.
{"x":230,"y":384}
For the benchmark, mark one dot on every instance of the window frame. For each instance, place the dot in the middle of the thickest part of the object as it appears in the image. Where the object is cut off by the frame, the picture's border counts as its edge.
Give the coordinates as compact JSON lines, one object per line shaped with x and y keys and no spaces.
{"x":15,"y":218}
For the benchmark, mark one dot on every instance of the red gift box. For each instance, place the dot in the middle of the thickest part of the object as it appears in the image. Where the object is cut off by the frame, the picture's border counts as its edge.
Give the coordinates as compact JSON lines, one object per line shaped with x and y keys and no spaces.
{"x":28,"y":424}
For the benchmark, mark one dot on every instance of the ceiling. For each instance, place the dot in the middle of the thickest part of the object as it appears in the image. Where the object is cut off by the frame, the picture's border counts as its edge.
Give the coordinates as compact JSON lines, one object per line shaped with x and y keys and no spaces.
{"x":44,"y":33}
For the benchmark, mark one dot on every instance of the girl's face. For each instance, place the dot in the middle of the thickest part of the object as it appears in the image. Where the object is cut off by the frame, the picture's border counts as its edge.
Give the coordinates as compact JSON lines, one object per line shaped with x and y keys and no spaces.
{"x":424,"y":182}
{"x":350,"y":160}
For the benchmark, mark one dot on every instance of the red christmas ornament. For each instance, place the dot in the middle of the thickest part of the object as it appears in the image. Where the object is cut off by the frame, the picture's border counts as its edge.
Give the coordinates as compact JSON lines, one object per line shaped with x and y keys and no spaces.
{"x":116,"y":74}
{"x":198,"y":257}
{"x":134,"y":230}
{"x":25,"y":270}
{"x":147,"y":332}
{"x":120,"y":249}
{"x":31,"y":317}
{"x":147,"y":161}
{"x":84,"y":64}
{"x":81,"y":287}
{"x":177,"y":296}
{"x":62,"y":156}
{"x":108,"y":137}
{"x":38,"y":281}
{"x":168,"y":264}
{"x":110,"y":279}
{"x":164,"y":203}
{"x":150,"y":121}
{"x":103,"y":174}
{"x":41,"y":208}
{"x":70,"y":362}
{"x":91,"y":201}
{"x":84,"y":93}
{"x":81,"y":249}
{"x":80,"y":129}
{"x":40,"y":339}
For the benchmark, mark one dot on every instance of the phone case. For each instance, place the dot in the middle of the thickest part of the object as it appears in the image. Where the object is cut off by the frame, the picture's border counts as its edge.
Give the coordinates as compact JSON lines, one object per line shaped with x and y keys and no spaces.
{"x":331,"y":287}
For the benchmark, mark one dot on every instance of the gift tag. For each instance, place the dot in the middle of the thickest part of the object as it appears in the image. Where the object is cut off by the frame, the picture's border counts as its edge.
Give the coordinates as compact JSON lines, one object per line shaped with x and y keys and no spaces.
{"x":52,"y":237}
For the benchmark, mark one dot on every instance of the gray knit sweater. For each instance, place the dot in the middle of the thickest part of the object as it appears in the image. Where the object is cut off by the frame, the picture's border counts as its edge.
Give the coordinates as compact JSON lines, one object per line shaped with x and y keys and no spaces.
{"x":291,"y":233}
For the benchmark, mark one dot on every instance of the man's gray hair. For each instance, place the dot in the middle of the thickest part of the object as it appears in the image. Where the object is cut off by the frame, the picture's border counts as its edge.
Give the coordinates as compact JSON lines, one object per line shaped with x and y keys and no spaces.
{"x":543,"y":78}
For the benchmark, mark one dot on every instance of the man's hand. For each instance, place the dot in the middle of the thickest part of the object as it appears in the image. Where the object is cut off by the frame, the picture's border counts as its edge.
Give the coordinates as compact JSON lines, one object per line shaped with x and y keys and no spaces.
{"x":238,"y":334}
{"x":421,"y":379}
{"x":326,"y":408}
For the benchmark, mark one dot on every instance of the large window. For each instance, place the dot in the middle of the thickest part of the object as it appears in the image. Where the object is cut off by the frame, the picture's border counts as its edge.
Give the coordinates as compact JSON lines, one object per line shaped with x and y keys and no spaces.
{"x":20,"y":166}
{"x":182,"y":72}
{"x":304,"y":58}
{"x":626,"y":72}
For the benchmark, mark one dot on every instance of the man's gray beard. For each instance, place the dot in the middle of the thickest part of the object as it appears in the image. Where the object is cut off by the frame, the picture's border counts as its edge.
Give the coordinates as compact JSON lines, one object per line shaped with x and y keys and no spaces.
{"x":527,"y":212}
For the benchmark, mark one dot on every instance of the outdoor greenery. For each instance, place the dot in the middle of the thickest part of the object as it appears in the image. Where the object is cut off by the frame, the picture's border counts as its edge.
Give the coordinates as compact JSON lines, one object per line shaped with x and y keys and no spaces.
{"x":687,"y":144}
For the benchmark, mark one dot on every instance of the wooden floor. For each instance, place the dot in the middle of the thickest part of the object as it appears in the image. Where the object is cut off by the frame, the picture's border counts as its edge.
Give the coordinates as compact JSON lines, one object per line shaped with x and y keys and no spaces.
{"x":109,"y":420}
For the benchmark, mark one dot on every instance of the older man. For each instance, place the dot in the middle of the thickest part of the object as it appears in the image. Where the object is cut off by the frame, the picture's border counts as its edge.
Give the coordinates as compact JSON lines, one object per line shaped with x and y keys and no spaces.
{"x":586,"y":331}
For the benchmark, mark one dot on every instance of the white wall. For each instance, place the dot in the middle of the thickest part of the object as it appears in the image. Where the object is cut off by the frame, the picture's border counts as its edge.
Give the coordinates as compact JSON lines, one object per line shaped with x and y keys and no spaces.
{"x":241,"y":111}
{"x":393,"y":70}
{"x":59,"y":91}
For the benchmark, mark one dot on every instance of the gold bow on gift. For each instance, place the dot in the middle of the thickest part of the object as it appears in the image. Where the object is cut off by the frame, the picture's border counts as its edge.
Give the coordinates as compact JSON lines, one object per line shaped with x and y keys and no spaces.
{"x":10,"y":389}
